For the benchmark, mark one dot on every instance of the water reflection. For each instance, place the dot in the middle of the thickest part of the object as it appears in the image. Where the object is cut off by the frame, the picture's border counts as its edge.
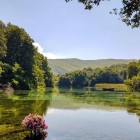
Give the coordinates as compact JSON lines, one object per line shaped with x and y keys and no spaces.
{"x":41,"y":136}
{"x":125,"y":100}
{"x":14,"y":107}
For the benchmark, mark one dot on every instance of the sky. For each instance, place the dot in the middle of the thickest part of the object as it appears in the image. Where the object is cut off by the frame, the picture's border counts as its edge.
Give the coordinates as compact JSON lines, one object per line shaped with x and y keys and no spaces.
{"x":67,"y":30}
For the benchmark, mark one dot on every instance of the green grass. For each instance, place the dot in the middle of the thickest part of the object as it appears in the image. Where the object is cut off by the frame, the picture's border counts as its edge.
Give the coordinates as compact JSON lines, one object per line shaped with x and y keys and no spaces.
{"x":117,"y":87}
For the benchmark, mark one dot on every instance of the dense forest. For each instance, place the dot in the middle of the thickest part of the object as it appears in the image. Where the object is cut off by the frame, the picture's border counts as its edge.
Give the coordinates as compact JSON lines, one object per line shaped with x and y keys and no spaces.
{"x":89,"y":76}
{"x":120,"y":73}
{"x":21,"y":65}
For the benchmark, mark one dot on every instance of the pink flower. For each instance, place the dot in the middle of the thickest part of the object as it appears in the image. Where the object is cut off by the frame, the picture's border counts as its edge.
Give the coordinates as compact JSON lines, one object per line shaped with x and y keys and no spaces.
{"x":34,"y":122}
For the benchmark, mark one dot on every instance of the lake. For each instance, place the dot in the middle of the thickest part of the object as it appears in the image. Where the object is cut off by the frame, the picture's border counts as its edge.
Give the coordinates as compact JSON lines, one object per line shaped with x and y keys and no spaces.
{"x":72,"y":114}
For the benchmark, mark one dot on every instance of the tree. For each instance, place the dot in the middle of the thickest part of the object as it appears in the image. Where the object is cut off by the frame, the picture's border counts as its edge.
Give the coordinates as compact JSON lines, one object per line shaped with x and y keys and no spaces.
{"x":42,"y":64}
{"x":19,"y":47}
{"x":6,"y":73}
{"x":133,"y":69}
{"x":64,"y":81}
{"x":21,"y":65}
{"x":48,"y":75}
{"x":90,"y":77}
{"x":133,"y":84}
{"x":38,"y":77}
{"x":2,"y":41}
{"x":129,"y":13}
{"x":79,"y":79}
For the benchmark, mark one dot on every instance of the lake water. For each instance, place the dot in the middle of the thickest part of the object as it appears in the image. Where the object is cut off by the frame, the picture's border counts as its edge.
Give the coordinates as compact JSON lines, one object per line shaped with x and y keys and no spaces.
{"x":72,"y":114}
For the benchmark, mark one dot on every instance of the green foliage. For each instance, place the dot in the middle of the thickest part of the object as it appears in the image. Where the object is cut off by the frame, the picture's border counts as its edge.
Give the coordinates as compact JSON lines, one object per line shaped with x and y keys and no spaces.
{"x":108,"y":75}
{"x":18,"y":80}
{"x":19,"y":47}
{"x":0,"y":70}
{"x":133,"y":84}
{"x":3,"y":46}
{"x":89,"y":3}
{"x":129,"y":13}
{"x":6,"y":73}
{"x":79,"y":79}
{"x":64,"y":81}
{"x":48,"y":75}
{"x":38,"y":77}
{"x":89,"y":76}
{"x":133,"y":69}
{"x":133,"y":78}
{"x":22,"y":66}
{"x":2,"y":25}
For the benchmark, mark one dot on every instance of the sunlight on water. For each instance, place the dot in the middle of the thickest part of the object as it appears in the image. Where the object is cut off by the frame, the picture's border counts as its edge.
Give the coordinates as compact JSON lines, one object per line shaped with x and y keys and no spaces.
{"x":51,"y":111}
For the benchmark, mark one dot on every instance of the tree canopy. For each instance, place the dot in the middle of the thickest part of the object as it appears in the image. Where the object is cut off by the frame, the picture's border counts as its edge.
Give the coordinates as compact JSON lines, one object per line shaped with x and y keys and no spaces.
{"x":2,"y":41}
{"x":90,"y":77}
{"x":129,"y":12}
{"x":21,"y":65}
{"x":128,"y":74}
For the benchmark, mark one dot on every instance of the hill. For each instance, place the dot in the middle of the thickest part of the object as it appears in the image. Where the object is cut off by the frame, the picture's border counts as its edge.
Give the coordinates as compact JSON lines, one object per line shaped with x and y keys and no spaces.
{"x":61,"y":66}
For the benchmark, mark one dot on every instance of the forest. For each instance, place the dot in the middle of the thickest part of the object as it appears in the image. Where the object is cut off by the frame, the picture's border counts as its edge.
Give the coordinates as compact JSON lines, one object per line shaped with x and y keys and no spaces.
{"x":128,"y":74}
{"x":21,"y":65}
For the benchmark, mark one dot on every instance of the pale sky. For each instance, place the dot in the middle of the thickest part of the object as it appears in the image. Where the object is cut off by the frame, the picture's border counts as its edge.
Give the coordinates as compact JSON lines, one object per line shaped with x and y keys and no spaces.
{"x":67,"y":30}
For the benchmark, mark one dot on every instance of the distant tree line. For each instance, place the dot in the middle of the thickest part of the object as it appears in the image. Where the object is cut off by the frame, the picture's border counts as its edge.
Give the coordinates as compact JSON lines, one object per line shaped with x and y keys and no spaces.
{"x":89,"y":76}
{"x":21,"y":65}
{"x":120,"y":73}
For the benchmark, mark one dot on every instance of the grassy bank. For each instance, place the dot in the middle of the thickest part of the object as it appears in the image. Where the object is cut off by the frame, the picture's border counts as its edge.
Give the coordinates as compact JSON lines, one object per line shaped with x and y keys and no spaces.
{"x":117,"y":87}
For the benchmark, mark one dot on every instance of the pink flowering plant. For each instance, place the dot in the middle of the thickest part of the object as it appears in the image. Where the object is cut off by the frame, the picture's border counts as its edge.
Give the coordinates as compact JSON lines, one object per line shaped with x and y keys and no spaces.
{"x":35,"y":123}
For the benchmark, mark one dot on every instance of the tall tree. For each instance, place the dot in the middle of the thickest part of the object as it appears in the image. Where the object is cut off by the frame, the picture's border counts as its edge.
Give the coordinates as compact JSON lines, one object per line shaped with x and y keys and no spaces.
{"x":3,"y":46}
{"x":133,"y":69}
{"x":48,"y":75}
{"x":22,"y":65}
{"x":19,"y":47}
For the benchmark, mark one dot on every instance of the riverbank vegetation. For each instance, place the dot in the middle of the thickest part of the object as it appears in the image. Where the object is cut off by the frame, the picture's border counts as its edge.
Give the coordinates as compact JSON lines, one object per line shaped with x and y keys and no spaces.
{"x":89,"y":77}
{"x":21,"y":65}
{"x":128,"y":74}
{"x":133,"y":76}
{"x":115,"y":87}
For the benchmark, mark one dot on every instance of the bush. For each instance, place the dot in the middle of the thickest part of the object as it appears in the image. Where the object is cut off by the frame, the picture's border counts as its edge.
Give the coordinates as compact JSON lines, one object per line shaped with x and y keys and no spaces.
{"x":133,"y":84}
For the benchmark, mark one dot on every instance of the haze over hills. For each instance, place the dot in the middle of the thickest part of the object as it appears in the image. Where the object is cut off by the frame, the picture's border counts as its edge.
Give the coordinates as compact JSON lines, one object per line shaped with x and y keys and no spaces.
{"x":61,"y":66}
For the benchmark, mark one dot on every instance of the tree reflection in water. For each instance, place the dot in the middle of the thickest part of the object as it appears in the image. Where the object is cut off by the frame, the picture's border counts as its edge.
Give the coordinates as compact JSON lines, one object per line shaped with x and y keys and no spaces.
{"x":14,"y":107}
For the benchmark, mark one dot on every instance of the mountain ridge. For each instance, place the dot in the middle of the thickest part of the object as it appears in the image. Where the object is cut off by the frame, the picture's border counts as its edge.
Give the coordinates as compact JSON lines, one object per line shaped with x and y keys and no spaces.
{"x":61,"y":66}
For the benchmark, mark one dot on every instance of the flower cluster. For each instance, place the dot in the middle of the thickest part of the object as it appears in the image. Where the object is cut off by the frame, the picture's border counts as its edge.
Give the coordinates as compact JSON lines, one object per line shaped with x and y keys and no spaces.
{"x":34,"y":122}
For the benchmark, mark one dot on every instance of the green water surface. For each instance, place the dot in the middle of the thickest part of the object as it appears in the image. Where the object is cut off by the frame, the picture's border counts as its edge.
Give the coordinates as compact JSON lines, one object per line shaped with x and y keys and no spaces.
{"x":72,"y":114}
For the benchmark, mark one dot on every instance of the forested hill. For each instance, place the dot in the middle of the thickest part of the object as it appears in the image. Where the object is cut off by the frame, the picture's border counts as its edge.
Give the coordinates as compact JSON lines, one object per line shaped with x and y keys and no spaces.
{"x":61,"y":66}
